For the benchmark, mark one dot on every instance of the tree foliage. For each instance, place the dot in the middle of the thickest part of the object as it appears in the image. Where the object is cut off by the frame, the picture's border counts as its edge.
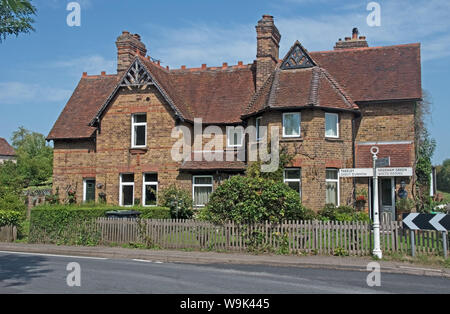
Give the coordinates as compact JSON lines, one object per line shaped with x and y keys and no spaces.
{"x":179,"y":201}
{"x":16,"y":17}
{"x":425,"y":147}
{"x":443,"y":176}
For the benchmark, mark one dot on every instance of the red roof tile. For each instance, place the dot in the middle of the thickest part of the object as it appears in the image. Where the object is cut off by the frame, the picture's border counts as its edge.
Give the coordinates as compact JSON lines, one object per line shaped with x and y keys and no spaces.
{"x":400,"y":154}
{"x":377,"y":73}
{"x":88,"y":97}
{"x":6,"y":149}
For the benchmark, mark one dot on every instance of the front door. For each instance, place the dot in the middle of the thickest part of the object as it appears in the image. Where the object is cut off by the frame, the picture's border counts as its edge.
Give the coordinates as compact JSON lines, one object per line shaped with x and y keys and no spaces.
{"x":387,"y":199}
{"x":89,"y":190}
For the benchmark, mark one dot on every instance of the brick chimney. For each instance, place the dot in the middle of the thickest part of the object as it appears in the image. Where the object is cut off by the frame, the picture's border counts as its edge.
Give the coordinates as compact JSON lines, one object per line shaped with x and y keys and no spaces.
{"x":352,"y":42}
{"x":128,"y":45}
{"x":268,"y":44}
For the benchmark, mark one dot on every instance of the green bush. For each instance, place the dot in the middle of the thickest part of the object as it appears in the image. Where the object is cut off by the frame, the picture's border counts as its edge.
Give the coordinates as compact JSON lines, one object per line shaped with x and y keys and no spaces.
{"x":342,"y":213}
{"x":11,"y":218}
{"x":252,"y":200}
{"x":63,"y":224}
{"x":179,"y":201}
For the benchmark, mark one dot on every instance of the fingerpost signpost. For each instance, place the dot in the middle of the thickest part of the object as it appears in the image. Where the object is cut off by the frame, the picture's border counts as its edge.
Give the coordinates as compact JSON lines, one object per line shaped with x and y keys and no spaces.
{"x":376,"y":217}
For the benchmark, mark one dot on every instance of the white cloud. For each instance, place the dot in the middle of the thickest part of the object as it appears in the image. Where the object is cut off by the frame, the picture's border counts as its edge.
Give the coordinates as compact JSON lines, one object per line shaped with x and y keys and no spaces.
{"x":92,"y":64}
{"x":402,"y":21}
{"x":14,"y":93}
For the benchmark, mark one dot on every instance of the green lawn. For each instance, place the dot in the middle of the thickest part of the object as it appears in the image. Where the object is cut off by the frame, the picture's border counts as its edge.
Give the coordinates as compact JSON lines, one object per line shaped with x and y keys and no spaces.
{"x":446,"y":196}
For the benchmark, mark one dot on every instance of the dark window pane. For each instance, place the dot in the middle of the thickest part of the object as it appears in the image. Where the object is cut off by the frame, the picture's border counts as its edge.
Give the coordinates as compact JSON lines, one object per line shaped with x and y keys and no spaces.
{"x":295,"y":186}
{"x":128,"y":178}
{"x":139,"y":136}
{"x":151,"y":177}
{"x":127,"y":195}
{"x":332,"y":174}
{"x":150,"y":195}
{"x":203,"y":180}
{"x":140,"y":118}
{"x":292,"y":174}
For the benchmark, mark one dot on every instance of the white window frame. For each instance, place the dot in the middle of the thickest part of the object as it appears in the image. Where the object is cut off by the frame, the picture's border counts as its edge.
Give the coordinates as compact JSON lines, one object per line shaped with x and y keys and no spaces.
{"x":299,"y":124}
{"x":229,"y":129}
{"x":299,"y":180}
{"x":337,"y":124}
{"x":85,"y":187}
{"x":194,"y":185}
{"x":133,"y":132}
{"x":333,"y":181}
{"x":122,"y":184}
{"x":151,"y":183}
{"x":258,"y":129}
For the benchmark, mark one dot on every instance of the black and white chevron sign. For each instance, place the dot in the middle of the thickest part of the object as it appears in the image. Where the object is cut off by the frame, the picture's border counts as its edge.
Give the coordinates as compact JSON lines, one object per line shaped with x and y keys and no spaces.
{"x":439,"y":222}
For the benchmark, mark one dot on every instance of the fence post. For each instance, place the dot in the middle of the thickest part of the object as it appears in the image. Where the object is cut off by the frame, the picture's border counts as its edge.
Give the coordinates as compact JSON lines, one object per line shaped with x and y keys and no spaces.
{"x":444,"y":243}
{"x":413,"y":244}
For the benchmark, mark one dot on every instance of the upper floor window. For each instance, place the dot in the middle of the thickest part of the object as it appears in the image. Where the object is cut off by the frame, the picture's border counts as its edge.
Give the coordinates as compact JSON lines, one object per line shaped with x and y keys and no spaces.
{"x":258,"y":129}
{"x":202,"y":187}
{"x":139,"y":130}
{"x":291,"y":124}
{"x":126,"y":192}
{"x":331,"y":125}
{"x":332,"y":186}
{"x":235,"y":136}
{"x":293,"y":178}
{"x":150,"y":189}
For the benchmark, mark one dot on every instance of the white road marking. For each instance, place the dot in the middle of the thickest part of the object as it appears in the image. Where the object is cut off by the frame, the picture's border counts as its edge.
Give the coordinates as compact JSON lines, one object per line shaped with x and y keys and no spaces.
{"x":54,"y":255}
{"x":142,"y":260}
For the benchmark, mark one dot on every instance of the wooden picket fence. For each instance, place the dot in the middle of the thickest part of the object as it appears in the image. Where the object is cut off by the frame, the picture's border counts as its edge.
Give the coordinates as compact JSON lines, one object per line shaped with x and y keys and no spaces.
{"x":290,"y":237}
{"x":8,"y":234}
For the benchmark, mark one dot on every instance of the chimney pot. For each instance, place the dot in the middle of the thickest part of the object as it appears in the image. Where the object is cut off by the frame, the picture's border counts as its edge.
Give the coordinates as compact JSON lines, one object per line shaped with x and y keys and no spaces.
{"x":225,"y":65}
{"x":183,"y":67}
{"x":85,"y":74}
{"x":103,"y":73}
{"x":204,"y":66}
{"x":355,"y":33}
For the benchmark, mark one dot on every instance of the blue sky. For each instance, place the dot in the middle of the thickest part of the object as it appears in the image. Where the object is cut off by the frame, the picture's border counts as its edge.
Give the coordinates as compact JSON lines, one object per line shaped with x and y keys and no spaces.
{"x":39,"y":71}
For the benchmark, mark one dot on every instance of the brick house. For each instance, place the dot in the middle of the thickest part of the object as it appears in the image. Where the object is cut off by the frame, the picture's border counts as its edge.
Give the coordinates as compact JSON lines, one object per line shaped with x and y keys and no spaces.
{"x":113,"y":139}
{"x":6,"y":151}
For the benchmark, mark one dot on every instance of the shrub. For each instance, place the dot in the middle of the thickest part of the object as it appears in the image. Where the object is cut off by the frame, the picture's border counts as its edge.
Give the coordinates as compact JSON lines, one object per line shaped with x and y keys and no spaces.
{"x":62,"y":224}
{"x":342,"y":213}
{"x":11,"y":218}
{"x":252,"y":200}
{"x":178,"y":201}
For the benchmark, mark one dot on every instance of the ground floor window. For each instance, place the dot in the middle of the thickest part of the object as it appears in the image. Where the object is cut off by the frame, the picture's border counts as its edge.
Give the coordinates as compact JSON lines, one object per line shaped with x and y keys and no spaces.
{"x":150,"y":189}
{"x":126,"y":193}
{"x":202,"y":187}
{"x":88,"y":190}
{"x":332,"y":184}
{"x":293,"y":178}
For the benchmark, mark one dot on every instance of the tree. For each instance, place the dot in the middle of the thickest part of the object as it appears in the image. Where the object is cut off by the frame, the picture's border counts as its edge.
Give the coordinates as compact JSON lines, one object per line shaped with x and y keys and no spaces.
{"x":34,"y":157}
{"x":443,"y":176}
{"x":425,"y":147}
{"x":15,"y":17}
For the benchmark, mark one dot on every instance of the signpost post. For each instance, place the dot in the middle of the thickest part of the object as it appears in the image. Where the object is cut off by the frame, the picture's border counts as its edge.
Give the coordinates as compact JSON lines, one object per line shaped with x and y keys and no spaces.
{"x":376,"y":217}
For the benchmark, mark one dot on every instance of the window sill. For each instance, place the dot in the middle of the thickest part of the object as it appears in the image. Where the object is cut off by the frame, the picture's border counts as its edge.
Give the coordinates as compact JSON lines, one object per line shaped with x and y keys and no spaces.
{"x":138,"y":150}
{"x":334,"y":139}
{"x":291,"y":139}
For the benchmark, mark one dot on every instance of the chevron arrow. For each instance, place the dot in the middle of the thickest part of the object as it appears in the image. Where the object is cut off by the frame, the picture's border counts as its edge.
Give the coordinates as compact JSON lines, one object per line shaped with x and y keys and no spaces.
{"x":408,"y":221}
{"x":439,"y":222}
{"x":435,"y":222}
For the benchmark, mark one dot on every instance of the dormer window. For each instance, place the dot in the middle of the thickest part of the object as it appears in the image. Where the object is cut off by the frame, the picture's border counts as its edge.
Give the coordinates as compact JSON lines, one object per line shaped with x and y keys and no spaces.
{"x":139,"y":130}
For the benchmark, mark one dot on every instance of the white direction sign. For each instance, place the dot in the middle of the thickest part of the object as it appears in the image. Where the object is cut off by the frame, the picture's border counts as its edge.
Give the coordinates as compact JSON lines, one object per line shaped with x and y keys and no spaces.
{"x":394,"y":172}
{"x":381,"y":172}
{"x":356,"y":172}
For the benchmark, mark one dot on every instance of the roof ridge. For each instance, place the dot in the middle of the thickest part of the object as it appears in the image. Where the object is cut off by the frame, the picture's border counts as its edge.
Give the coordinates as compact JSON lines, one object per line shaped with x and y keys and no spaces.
{"x":366,"y":48}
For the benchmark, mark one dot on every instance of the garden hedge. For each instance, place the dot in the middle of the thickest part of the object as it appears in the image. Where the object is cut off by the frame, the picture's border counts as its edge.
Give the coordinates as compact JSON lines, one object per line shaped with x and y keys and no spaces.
{"x":10,"y":218}
{"x":60,"y":224}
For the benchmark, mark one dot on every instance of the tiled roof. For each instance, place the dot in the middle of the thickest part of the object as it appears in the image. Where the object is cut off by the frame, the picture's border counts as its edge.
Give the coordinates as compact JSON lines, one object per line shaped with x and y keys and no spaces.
{"x":400,"y":154}
{"x":88,"y":97}
{"x":5,"y":148}
{"x":376,"y":73}
{"x":312,"y":86}
{"x":223,"y":95}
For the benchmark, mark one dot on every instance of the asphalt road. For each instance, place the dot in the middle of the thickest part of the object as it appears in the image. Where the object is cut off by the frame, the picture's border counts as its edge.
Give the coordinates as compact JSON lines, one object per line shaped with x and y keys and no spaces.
{"x":32,"y":273}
